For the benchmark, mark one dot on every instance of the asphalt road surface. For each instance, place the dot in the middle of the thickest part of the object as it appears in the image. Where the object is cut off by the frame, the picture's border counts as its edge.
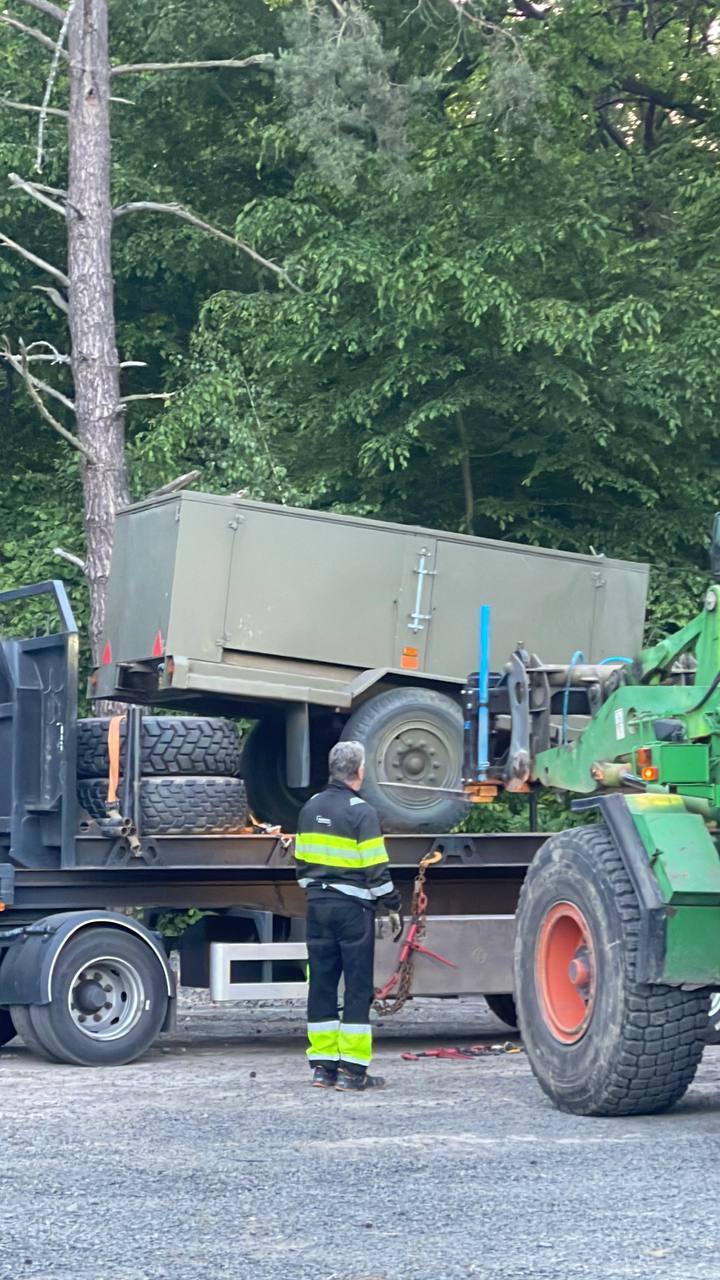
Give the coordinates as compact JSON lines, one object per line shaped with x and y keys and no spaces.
{"x":212,"y":1158}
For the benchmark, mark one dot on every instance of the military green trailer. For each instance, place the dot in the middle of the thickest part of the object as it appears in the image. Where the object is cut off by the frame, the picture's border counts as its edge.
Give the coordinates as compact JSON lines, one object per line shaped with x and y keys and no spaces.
{"x":318,"y":626}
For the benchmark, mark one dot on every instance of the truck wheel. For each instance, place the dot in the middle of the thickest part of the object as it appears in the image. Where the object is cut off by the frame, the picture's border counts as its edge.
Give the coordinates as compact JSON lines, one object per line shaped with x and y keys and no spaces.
{"x":7,"y":1027}
{"x":503,"y":1007}
{"x":412,"y":736}
{"x":712,"y":1034}
{"x":21,"y":1018}
{"x":599,"y":1042}
{"x":109,"y":1000}
{"x":194,"y":745}
{"x":269,"y":797}
{"x":178,"y":806}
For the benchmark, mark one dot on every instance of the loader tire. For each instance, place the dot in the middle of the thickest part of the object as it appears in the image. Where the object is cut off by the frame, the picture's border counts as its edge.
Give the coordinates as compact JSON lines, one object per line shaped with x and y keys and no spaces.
{"x":599,"y":1042}
{"x":195,"y":746}
{"x":411,"y":737}
{"x":7,"y":1027}
{"x":178,"y":806}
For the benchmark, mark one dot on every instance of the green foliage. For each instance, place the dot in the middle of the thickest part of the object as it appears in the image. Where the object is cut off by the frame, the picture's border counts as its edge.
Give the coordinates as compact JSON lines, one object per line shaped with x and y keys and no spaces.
{"x":508,"y":318}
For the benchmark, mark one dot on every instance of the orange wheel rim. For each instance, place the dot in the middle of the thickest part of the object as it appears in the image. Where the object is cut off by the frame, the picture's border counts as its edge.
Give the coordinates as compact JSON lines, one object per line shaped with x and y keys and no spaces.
{"x":565,"y":972}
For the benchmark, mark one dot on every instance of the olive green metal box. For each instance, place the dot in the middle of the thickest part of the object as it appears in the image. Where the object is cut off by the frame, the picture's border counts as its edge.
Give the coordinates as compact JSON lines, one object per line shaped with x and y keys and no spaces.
{"x":258,"y":602}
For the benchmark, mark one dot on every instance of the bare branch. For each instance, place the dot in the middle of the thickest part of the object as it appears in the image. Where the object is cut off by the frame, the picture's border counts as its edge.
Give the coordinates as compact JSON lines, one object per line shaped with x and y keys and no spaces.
{"x":50,"y":353}
{"x":50,"y":84}
{"x":20,"y":364}
{"x":22,"y":184}
{"x":54,"y":295}
{"x":181,"y":482}
{"x":70,"y":557}
{"x":256,"y":60}
{"x":40,"y":36}
{"x":38,"y":262}
{"x":45,"y":6}
{"x":148,"y":395}
{"x":530,"y":10}
{"x":178,"y":211}
{"x":30,"y":106}
{"x":134,"y":364}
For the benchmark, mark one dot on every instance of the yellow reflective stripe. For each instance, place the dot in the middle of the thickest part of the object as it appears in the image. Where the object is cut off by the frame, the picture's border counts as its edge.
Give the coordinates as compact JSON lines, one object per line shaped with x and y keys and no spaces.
{"x":377,"y":842}
{"x":323,"y":1040}
{"x":355,"y":1043}
{"x":375,"y":858}
{"x":328,"y":859}
{"x":320,"y":838}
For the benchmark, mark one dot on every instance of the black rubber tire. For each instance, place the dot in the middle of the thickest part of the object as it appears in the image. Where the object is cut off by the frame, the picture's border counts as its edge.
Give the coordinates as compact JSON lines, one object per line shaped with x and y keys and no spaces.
{"x":269,"y":797}
{"x":503,"y":1007}
{"x":53,"y":1024}
{"x":190,"y":745}
{"x":178,"y":806}
{"x":7,"y":1027}
{"x":376,"y":723}
{"x":643,"y":1043}
{"x":712,"y":1034}
{"x":21,"y":1018}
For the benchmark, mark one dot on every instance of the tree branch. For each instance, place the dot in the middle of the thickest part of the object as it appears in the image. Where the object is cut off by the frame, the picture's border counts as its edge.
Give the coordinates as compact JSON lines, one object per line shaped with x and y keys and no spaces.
{"x":178,"y":211}
{"x":612,"y":132}
{"x":20,"y":364}
{"x":54,"y":295}
{"x":31,"y":189}
{"x":131,"y":68}
{"x":45,"y":6}
{"x":148,"y":395}
{"x":40,"y":36}
{"x":70,"y":557}
{"x":30,"y":106}
{"x":38,"y":262}
{"x":58,"y":52}
{"x":181,"y":482}
{"x":640,"y":89}
{"x":530,"y":10}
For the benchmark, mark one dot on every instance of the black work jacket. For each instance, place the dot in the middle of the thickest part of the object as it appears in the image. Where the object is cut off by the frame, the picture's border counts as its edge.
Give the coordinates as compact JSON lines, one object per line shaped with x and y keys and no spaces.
{"x":339,"y":848}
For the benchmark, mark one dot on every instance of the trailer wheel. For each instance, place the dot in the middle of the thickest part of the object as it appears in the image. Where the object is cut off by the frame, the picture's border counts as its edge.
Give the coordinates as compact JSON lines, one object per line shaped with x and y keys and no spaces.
{"x":109,"y":1000}
{"x":598,"y":1041}
{"x":7,"y":1027}
{"x":411,"y":736}
{"x":21,"y":1018}
{"x":194,"y":745}
{"x":178,"y":806}
{"x":712,"y":1034}
{"x":503,"y":1007}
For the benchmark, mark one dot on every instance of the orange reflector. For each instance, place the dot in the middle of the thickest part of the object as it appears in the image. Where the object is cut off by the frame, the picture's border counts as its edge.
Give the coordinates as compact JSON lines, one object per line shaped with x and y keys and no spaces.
{"x":157,"y":649}
{"x":409,"y":659}
{"x":106,"y":655}
{"x":643,"y":756}
{"x":2,"y":906}
{"x":650,"y":773}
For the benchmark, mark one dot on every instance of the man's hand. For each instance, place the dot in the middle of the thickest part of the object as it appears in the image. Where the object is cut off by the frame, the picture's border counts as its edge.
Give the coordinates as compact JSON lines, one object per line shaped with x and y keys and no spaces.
{"x":397,"y":924}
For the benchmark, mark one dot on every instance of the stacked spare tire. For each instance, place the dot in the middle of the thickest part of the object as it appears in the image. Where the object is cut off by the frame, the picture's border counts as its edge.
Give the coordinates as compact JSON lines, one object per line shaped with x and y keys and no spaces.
{"x":190,"y":770}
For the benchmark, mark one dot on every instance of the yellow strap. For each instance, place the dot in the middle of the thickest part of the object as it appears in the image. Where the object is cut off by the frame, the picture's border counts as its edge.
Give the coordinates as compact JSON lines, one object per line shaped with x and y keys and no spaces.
{"x":114,"y":758}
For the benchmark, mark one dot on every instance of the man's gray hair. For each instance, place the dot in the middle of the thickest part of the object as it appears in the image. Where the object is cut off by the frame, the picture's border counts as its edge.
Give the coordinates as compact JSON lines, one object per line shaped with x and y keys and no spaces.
{"x":345,"y":761}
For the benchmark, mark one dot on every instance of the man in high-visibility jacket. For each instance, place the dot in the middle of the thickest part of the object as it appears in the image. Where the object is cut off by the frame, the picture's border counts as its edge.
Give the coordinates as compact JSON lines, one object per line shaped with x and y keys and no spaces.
{"x":343,"y":865}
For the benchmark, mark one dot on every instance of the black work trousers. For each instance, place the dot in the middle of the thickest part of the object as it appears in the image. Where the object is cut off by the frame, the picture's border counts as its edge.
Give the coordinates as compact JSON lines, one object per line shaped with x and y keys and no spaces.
{"x":341,"y":943}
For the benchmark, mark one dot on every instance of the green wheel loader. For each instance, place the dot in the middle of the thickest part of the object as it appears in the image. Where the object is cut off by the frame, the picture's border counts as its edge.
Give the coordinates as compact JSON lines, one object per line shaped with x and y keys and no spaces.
{"x":617,"y":944}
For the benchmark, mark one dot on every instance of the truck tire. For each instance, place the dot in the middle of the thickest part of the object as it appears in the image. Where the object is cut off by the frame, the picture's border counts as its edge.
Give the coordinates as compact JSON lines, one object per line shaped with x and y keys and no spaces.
{"x":193,"y":745}
{"x":503,"y":1007}
{"x":411,"y":736}
{"x":599,"y":1042}
{"x":82,"y":1028}
{"x":21,"y":1018}
{"x":269,"y":797}
{"x":7,"y":1027}
{"x":712,"y":1034}
{"x":178,"y":806}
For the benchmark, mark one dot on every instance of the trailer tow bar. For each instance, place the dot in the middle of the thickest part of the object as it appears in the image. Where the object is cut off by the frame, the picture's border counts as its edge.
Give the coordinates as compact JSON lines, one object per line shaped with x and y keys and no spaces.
{"x":391,"y":997}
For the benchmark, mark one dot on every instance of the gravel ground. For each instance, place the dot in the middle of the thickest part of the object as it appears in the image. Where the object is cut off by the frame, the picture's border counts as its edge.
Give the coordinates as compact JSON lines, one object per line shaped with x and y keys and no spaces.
{"x":212,"y":1158}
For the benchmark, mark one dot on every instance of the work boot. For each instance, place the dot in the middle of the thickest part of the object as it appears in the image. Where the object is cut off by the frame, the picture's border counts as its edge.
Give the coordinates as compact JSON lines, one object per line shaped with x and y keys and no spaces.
{"x":324,"y":1078}
{"x":356,"y":1082}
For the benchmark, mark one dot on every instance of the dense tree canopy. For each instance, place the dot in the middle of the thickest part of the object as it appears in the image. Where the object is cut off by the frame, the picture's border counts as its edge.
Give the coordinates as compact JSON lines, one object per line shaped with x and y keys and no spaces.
{"x":502,"y":225}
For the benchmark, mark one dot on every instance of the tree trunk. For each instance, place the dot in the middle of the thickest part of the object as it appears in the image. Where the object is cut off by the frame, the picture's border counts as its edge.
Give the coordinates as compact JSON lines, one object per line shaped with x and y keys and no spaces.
{"x":100,"y":416}
{"x":466,"y":469}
